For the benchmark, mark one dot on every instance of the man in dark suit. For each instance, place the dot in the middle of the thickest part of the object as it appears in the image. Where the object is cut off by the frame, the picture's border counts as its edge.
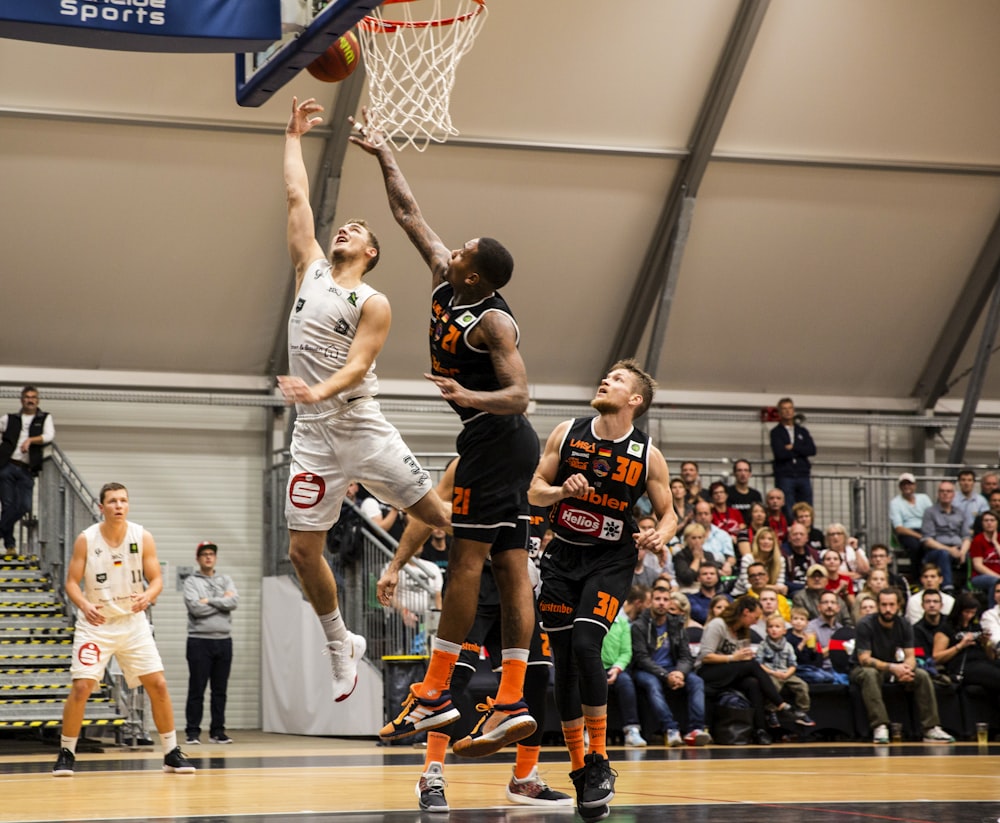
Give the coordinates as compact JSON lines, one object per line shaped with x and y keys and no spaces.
{"x":792,"y":446}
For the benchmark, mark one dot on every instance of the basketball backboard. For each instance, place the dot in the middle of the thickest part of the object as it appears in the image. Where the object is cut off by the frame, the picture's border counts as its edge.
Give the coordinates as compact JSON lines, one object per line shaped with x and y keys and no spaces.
{"x":309,"y":27}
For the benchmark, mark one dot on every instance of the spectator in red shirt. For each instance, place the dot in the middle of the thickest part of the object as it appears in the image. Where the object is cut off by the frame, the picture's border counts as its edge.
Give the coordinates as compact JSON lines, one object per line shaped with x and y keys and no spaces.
{"x":776,"y":520}
{"x":723,"y":515}
{"x":985,"y":553}
{"x":841,"y":584}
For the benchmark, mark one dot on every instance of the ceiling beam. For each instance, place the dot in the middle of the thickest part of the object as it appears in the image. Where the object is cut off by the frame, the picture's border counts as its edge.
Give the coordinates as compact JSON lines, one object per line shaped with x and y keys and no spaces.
{"x":655,"y":274}
{"x":933,"y":381}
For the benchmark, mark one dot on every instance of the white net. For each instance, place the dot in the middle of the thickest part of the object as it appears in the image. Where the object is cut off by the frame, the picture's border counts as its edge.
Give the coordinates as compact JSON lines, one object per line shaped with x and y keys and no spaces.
{"x":411,"y":61}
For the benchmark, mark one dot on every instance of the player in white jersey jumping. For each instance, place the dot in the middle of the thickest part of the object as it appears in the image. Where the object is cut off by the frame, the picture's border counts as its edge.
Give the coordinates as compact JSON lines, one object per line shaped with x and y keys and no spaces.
{"x":110,"y":562}
{"x":336,"y":328}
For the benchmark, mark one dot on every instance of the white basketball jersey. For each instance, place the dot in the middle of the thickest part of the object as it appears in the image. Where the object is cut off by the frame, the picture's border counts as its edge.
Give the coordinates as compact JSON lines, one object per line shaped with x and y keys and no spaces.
{"x":321,"y":328}
{"x":113,"y":575}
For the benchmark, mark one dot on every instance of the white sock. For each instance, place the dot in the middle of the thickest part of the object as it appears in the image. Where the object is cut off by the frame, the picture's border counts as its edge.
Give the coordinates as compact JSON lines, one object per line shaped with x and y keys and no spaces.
{"x":447,"y":646}
{"x":68,"y":743}
{"x":169,"y":741}
{"x":333,"y":626}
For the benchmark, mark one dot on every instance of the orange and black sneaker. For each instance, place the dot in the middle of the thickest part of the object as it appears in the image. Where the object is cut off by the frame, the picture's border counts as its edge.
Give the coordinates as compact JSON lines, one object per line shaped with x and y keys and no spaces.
{"x":420,"y":715}
{"x":500,"y":725}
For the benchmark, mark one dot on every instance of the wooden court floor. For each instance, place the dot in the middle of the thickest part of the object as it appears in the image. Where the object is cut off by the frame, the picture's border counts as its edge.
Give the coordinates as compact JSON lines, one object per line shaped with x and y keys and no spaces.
{"x":267,"y":778}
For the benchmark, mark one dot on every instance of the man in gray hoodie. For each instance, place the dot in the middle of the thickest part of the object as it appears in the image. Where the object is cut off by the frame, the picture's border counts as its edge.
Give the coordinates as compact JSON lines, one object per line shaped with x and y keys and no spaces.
{"x":210,"y":599}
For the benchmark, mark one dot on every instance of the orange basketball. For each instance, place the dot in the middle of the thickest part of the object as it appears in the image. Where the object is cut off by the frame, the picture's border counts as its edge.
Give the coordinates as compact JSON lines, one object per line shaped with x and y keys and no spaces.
{"x":338,"y":61}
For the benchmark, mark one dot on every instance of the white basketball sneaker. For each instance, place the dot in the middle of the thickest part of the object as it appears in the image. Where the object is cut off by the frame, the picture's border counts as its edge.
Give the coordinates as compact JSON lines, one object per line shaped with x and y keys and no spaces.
{"x":345,"y":655}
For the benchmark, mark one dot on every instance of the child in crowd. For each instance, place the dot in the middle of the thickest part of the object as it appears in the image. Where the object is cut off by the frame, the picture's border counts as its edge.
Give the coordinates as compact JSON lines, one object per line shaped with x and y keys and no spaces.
{"x":777,"y":657}
{"x":808,"y":652}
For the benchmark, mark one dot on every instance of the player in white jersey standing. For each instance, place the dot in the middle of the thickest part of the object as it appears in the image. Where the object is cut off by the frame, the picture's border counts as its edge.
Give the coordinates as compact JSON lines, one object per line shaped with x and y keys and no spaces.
{"x":336,"y":328}
{"x":113,"y":578}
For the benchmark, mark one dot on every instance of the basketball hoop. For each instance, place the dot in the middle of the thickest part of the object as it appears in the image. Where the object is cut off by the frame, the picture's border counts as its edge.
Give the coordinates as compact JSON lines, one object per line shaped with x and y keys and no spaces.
{"x":411,"y":67}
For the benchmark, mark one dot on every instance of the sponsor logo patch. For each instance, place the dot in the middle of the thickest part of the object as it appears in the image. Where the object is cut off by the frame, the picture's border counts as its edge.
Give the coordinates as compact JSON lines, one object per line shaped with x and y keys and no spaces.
{"x":601,"y":467}
{"x":306,"y":489}
{"x":299,"y":304}
{"x":89,"y":654}
{"x":101,"y":578}
{"x":464,"y":319}
{"x":133,"y":548}
{"x":636,"y":449}
{"x":594,"y":525}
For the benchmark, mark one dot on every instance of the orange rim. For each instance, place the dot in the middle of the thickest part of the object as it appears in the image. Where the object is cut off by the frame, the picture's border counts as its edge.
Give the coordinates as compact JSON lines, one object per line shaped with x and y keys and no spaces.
{"x":373,"y":24}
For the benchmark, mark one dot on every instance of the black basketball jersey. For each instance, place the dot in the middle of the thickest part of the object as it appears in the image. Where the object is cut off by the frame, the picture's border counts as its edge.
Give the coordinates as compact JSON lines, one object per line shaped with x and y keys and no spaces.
{"x":452,"y":355}
{"x":616,"y":470}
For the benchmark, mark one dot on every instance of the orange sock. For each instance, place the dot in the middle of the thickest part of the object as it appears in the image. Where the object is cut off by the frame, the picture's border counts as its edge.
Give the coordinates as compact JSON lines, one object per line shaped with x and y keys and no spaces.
{"x":437,"y":747}
{"x":512,"y":673}
{"x":527,"y":759}
{"x":573,"y":735}
{"x":597,"y":728}
{"x":438,"y":676}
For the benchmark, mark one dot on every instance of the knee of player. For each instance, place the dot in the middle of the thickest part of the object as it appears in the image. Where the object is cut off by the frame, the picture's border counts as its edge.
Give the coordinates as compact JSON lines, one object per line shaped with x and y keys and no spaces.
{"x":82,"y":688}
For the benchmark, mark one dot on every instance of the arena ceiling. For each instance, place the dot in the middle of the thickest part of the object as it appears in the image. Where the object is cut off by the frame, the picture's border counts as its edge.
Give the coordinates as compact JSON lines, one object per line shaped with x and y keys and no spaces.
{"x":806,"y":194}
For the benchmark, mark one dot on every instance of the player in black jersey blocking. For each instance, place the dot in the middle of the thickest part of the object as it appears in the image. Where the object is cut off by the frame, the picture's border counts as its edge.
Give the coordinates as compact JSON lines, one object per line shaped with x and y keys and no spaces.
{"x":592,"y":473}
{"x":477,"y":368}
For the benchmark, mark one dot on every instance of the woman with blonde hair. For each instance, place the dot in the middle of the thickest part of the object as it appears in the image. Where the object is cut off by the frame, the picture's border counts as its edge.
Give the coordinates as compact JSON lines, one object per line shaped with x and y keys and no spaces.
{"x":766,"y":551}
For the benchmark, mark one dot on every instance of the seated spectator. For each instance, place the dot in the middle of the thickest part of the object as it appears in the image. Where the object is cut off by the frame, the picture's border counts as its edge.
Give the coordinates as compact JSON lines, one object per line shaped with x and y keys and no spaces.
{"x":724,"y":516}
{"x":680,"y":606}
{"x":616,"y":654}
{"x":946,"y":534}
{"x":994,"y":500}
{"x":664,"y":579}
{"x":659,"y":561}
{"x":663,"y":662}
{"x":830,"y":620}
{"x":808,"y":654}
{"x":991,"y":618}
{"x":682,"y":508}
{"x":879,"y":639}
{"x":963,"y":650}
{"x":771,"y":602}
{"x":644,"y":574}
{"x":879,"y":558}
{"x":717,"y":606}
{"x":906,"y":514}
{"x":764,"y":551}
{"x":985,"y":553}
{"x":853,"y":561}
{"x":840,"y":584}
{"x":689,"y":559}
{"x":691,"y":476}
{"x":799,"y":557}
{"x":740,"y":496}
{"x":927,"y":626}
{"x":803,"y":513}
{"x":708,"y":588}
{"x":865,"y":604}
{"x":777,"y":658}
{"x":717,"y":542}
{"x":877,"y":581}
{"x":758,"y":521}
{"x":967,"y":500}
{"x":776,"y":520}
{"x":930,"y":578}
{"x":809,"y":597}
{"x":725,"y":660}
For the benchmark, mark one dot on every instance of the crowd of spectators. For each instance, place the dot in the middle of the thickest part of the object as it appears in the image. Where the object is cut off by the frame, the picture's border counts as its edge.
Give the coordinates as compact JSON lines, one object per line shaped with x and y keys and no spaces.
{"x":752,"y":595}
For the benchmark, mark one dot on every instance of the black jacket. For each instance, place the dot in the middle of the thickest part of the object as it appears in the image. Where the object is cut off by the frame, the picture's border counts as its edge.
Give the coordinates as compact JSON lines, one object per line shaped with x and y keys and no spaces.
{"x":644,"y":644}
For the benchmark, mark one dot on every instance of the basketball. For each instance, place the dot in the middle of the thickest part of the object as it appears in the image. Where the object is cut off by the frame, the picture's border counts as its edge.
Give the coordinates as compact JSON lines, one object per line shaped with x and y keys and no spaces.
{"x":338,"y":61}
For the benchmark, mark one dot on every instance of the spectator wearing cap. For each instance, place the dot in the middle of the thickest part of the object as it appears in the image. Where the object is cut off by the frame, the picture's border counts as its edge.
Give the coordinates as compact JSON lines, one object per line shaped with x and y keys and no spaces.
{"x":210,"y":598}
{"x":906,"y":513}
{"x":808,"y":598}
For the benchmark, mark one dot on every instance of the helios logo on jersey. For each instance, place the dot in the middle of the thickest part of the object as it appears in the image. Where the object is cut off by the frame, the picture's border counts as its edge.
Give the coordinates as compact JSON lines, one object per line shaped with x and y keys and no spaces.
{"x":579,"y":521}
{"x":89,"y":654}
{"x":306,"y":490}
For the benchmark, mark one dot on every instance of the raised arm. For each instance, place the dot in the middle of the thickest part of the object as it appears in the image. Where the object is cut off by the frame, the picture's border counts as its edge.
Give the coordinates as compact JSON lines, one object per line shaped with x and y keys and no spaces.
{"x":401,"y":200}
{"x":496,"y":333}
{"x":303,"y":247}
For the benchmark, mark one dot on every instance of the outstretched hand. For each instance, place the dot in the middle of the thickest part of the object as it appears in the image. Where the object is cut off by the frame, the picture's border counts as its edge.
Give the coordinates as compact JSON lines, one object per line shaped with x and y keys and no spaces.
{"x":303,"y":119}
{"x":369,"y":137}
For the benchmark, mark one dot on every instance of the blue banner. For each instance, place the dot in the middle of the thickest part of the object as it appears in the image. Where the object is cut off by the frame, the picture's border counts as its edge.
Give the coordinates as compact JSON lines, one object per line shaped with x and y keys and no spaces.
{"x":145,"y":25}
